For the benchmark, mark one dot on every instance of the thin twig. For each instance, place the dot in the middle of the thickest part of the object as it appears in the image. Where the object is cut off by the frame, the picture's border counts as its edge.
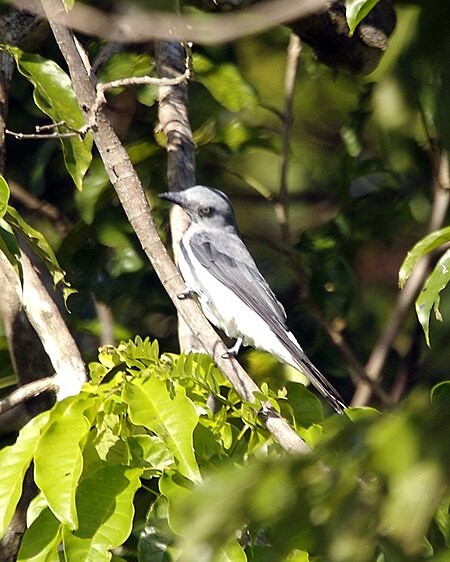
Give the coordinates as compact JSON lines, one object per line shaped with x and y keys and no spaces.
{"x":106,"y":321}
{"x":44,"y":208}
{"x":180,"y":78}
{"x":28,"y":391}
{"x":103,"y":87}
{"x":281,"y":206}
{"x":41,"y":136}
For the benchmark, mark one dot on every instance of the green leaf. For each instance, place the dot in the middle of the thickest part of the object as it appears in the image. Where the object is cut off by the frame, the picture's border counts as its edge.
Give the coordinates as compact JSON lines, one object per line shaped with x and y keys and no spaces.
{"x":424,"y":246}
{"x":429,"y":296}
{"x":225,"y":83}
{"x":4,"y":196}
{"x":440,"y":394}
{"x":106,"y":522}
{"x":59,"y":460}
{"x":10,"y":247}
{"x":54,"y":95}
{"x":40,"y":247}
{"x":231,"y":552}
{"x":41,"y":540}
{"x":171,"y":416}
{"x":175,"y":488}
{"x":307,"y":408}
{"x":150,"y":451}
{"x":357,"y":10}
{"x":14,"y":461}
{"x":156,"y":540}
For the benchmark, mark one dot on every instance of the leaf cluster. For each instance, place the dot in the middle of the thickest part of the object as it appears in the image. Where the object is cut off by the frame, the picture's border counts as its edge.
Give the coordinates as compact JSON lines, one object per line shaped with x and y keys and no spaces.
{"x":143,"y":422}
{"x":159,"y":456}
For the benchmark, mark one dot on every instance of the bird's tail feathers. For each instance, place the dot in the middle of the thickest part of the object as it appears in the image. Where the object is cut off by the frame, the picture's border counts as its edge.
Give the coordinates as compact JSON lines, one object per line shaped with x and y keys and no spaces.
{"x":304,"y":365}
{"x":321,"y":383}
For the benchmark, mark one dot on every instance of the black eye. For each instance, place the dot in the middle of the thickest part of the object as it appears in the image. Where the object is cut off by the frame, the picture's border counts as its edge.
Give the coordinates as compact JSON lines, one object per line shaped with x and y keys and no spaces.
{"x":204,"y":211}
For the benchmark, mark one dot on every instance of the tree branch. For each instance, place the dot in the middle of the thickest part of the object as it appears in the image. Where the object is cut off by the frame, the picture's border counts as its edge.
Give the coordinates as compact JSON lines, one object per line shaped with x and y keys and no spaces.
{"x":46,"y":319}
{"x":282,"y":205}
{"x":132,"y":197}
{"x":28,"y":391}
{"x":174,"y":119}
{"x":140,"y":26}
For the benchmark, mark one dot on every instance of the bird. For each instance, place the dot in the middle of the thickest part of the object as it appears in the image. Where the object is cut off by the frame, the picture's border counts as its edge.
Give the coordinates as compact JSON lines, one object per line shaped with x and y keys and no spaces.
{"x":222,"y":276}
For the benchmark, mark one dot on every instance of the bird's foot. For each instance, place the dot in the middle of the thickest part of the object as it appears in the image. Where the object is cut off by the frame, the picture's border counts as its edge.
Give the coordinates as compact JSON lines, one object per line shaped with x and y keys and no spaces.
{"x":187,"y":293}
{"x":233,"y":350}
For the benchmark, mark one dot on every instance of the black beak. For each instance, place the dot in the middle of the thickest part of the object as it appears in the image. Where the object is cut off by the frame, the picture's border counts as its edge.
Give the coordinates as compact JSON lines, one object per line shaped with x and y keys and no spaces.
{"x":174,"y":197}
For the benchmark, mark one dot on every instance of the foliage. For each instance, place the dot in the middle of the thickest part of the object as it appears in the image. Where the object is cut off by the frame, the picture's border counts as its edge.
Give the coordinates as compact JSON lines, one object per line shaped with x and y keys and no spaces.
{"x":12,"y":226}
{"x":357,"y":10}
{"x":140,"y":448}
{"x":429,"y":296}
{"x":158,"y":458}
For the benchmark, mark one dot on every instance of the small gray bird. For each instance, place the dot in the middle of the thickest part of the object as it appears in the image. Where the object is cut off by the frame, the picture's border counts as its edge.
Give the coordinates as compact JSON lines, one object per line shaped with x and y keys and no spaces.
{"x":219,"y":271}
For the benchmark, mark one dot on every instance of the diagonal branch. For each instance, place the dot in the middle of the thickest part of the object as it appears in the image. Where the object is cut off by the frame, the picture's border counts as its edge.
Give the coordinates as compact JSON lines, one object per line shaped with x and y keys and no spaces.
{"x":132,"y":197}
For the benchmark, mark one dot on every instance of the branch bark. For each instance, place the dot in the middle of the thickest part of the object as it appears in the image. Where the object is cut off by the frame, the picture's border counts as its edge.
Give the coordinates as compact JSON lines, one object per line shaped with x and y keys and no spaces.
{"x":140,"y":26}
{"x":174,"y":120}
{"x":132,"y":197}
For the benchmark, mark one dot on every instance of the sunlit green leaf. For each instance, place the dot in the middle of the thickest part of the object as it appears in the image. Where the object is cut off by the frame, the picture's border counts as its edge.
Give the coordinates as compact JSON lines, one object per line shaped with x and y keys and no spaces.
{"x":41,"y":248}
{"x":298,"y":556}
{"x":171,"y":416}
{"x":357,"y":10}
{"x":175,"y":488}
{"x":429,"y":296}
{"x":54,"y":95}
{"x":424,"y":246}
{"x":231,"y":552}
{"x":150,"y":451}
{"x":41,"y":540}
{"x":4,"y":196}
{"x":10,"y":247}
{"x":14,"y":462}
{"x":58,"y":458}
{"x":225,"y":84}
{"x":306,"y":406}
{"x":105,"y":523}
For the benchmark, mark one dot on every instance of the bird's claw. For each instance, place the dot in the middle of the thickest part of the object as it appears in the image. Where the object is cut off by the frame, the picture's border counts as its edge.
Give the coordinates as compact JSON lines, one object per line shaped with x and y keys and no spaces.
{"x":185,"y":294}
{"x":233,"y":350}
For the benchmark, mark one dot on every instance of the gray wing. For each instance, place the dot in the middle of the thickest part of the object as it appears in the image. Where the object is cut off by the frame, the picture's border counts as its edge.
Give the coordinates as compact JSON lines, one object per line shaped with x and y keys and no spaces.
{"x":229,"y":261}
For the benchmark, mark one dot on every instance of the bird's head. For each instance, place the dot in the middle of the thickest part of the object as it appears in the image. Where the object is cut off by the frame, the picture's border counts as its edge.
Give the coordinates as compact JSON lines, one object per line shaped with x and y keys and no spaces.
{"x":205,"y":206}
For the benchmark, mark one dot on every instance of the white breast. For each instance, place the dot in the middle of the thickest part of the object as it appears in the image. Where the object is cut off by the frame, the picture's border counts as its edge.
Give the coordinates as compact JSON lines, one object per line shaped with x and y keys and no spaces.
{"x":227,"y":311}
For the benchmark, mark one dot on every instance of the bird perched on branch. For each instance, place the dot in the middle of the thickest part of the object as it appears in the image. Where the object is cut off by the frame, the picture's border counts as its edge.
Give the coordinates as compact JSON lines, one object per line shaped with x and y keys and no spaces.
{"x":221,"y":274}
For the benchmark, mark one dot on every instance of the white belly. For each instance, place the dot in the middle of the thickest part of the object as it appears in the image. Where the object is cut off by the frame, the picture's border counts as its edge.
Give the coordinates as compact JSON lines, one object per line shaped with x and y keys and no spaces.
{"x":229,"y":313}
